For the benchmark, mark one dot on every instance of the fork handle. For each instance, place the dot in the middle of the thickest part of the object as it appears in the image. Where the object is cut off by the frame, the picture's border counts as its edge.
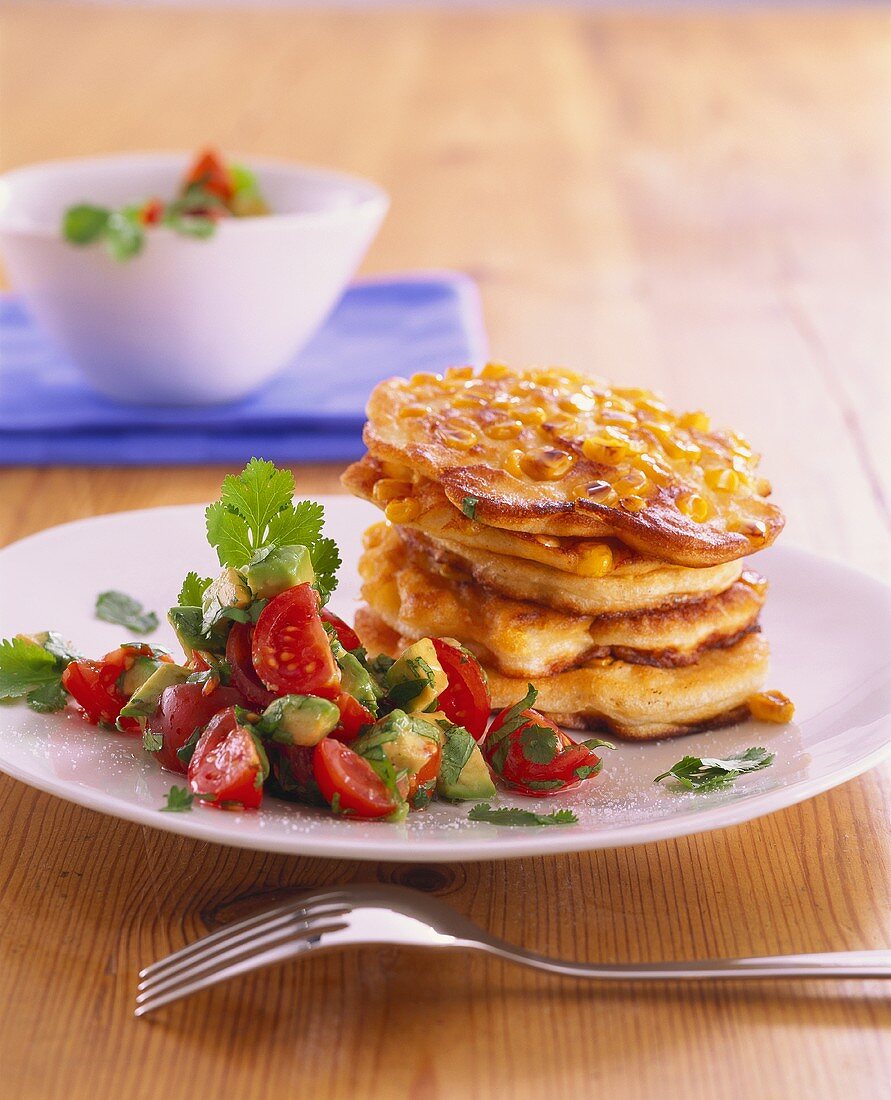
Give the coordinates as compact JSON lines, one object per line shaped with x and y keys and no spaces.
{"x":836,"y":964}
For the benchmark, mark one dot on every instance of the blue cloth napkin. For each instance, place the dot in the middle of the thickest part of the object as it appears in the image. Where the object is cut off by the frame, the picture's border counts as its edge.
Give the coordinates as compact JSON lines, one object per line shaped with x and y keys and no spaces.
{"x":312,"y":412}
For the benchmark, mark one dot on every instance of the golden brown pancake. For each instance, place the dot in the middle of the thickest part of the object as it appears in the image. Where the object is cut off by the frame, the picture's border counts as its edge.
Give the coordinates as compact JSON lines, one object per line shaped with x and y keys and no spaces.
{"x":638,"y":702}
{"x":416,"y":595}
{"x":556,"y":454}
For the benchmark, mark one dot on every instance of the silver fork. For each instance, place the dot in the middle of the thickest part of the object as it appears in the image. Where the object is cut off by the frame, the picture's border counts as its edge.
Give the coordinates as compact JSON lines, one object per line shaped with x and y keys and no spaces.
{"x":358,"y":915}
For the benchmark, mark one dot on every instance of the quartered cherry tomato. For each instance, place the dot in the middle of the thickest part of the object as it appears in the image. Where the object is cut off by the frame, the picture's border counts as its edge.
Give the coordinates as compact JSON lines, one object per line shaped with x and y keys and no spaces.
{"x":227,"y":765}
{"x":95,"y":685}
{"x":209,"y":172}
{"x":353,"y":716}
{"x":348,"y":782}
{"x":292,"y":766}
{"x":183,"y":709}
{"x":244,"y":677}
{"x":537,"y":758}
{"x":290,"y":648}
{"x":347,"y":637}
{"x":466,"y":700}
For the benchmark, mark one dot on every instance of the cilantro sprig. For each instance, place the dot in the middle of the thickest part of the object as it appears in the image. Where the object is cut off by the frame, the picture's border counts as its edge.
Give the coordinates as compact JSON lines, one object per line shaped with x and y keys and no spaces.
{"x":123,"y":610}
{"x":31,"y":669}
{"x":256,"y":514}
{"x":706,"y":773}
{"x":511,"y":815}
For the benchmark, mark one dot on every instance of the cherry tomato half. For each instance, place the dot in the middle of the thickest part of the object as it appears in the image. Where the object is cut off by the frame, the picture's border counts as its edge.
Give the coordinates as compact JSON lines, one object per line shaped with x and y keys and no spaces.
{"x":244,"y":677}
{"x":290,"y":648}
{"x":353,"y":716}
{"x":538,"y":758}
{"x":94,"y":685}
{"x":226,"y":764}
{"x":151,"y":212}
{"x":349,"y":782}
{"x":209,"y":172}
{"x":347,"y":637}
{"x":183,"y":709}
{"x":466,"y":700}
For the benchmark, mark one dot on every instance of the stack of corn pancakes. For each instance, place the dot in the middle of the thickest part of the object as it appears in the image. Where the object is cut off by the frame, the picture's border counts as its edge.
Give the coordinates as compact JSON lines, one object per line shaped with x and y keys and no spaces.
{"x":575,"y":535}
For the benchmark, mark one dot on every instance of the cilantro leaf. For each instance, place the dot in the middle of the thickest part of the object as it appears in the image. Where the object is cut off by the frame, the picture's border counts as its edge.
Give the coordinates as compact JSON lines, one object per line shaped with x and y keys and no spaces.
{"x":325,"y":558}
{"x":539,"y":744}
{"x":151,"y":741}
{"x":25,"y":666}
{"x":193,"y":589}
{"x":510,"y":815}
{"x":123,"y":610}
{"x":299,"y":526}
{"x":468,"y":507}
{"x":710,"y":773}
{"x":123,"y":236}
{"x":49,"y":698}
{"x":456,"y":751}
{"x":179,"y":799}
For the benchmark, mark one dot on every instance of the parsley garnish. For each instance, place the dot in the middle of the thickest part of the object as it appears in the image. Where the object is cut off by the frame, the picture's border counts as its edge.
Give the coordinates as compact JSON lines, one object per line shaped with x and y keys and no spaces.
{"x":31,"y":669}
{"x":256,"y":513}
{"x":710,"y":774}
{"x":123,"y":610}
{"x":510,"y":815}
{"x":468,"y":507}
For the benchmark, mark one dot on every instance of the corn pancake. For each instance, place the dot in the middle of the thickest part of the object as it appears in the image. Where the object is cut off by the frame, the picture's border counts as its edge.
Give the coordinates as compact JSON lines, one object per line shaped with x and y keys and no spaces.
{"x":553,"y":453}
{"x":633,"y":587}
{"x":638,"y":702}
{"x":417,"y":597}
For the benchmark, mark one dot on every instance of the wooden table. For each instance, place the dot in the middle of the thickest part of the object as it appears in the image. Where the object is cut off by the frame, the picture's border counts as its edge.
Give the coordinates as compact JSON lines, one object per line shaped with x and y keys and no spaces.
{"x":699,"y":202}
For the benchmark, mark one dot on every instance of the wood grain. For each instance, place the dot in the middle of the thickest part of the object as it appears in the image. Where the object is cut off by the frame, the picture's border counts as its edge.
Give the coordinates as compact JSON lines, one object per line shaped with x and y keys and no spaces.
{"x":695,"y":201}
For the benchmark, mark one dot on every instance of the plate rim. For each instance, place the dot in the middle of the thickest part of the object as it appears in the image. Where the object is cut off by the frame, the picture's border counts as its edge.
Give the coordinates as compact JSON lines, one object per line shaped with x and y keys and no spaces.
{"x":412,"y":849}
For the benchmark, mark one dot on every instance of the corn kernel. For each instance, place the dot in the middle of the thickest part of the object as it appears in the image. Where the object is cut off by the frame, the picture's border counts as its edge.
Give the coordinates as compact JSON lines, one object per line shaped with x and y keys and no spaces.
{"x":455,"y":374}
{"x":560,"y":422}
{"x":696,"y":421}
{"x":399,"y":470}
{"x":654,"y":468}
{"x":467,"y":401}
{"x":530,"y":415}
{"x":633,"y":503}
{"x":600,"y":492}
{"x":754,"y":581}
{"x":763,"y":487}
{"x":425,"y":378}
{"x":576,"y":403}
{"x":754,"y":529}
{"x":414,"y":410}
{"x":512,"y":464}
{"x":694,"y":506}
{"x":652,"y":404}
{"x":603,"y":449}
{"x":389,"y":488}
{"x":631,"y":481}
{"x":402,"y":511}
{"x":724,"y":481}
{"x":771,"y":706}
{"x":595,"y":561}
{"x":494,"y":371}
{"x":503,"y":429}
{"x":462,"y":439}
{"x":546,"y":464}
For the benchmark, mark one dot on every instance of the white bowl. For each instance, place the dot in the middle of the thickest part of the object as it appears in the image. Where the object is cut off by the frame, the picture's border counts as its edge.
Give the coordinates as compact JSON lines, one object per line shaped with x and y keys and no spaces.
{"x":186,"y":321}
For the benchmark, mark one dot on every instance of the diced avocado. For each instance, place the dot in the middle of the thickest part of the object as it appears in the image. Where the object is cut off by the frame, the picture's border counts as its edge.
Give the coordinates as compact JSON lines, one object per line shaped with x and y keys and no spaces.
{"x":284,"y":568}
{"x":140,"y":671}
{"x":188,"y":624}
{"x":143,"y":702}
{"x":416,"y":680}
{"x":463,"y":773}
{"x":229,"y":590}
{"x":298,"y":720}
{"x":354,"y":677}
{"x":404,"y":738}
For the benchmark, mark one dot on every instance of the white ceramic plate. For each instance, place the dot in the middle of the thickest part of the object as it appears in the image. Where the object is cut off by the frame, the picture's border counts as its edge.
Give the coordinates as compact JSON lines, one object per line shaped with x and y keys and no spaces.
{"x":828,"y":627}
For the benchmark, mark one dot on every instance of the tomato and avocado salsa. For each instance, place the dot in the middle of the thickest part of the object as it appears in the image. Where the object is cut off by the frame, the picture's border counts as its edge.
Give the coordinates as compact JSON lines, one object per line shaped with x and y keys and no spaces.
{"x":275,"y":693}
{"x":210,"y":190}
